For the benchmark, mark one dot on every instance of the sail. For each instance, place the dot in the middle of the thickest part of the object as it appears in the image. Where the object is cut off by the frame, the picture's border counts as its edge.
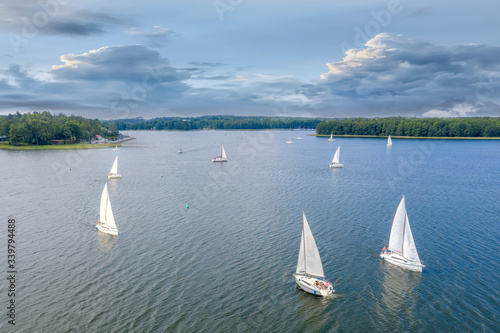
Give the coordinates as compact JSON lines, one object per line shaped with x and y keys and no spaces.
{"x":309,"y":262}
{"x":114,"y":168}
{"x":331,"y":136}
{"x":398,"y":228}
{"x":223,"y":154}
{"x":389,"y":141}
{"x":106,"y":213}
{"x":104,"y":199}
{"x":336,"y":157}
{"x":409,"y":248}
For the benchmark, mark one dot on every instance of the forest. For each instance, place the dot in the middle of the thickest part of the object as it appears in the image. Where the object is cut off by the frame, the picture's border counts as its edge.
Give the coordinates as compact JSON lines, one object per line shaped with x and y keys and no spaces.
{"x":40,"y":128}
{"x":216,"y":122}
{"x":413,"y":127}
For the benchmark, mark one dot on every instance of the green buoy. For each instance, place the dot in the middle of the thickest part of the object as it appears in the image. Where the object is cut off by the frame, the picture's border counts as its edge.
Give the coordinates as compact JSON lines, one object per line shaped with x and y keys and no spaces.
{"x":187,"y":206}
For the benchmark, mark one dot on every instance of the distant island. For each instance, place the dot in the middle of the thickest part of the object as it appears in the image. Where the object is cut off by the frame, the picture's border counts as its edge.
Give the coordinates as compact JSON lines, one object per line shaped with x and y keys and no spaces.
{"x":43,"y":130}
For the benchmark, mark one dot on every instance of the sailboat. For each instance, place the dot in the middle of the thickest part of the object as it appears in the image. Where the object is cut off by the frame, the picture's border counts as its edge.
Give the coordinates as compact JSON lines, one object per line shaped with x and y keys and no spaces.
{"x":106,"y":222}
{"x":222,"y":157}
{"x":389,"y":141}
{"x":113,"y":173}
{"x":331,"y":138}
{"x":116,"y":148}
{"x":309,"y":275}
{"x":179,"y":151}
{"x":336,"y":160}
{"x":401,"y":250}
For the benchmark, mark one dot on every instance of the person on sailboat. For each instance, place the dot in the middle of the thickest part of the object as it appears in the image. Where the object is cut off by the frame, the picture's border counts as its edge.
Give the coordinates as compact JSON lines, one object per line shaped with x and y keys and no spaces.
{"x":384,"y":250}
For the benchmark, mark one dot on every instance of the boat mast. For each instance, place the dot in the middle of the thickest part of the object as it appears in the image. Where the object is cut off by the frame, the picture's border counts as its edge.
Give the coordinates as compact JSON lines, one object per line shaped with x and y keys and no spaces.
{"x":304,"y":242}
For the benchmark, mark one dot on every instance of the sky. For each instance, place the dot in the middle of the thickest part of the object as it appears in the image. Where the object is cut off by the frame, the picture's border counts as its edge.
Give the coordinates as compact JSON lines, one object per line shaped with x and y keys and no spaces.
{"x":112,"y":59}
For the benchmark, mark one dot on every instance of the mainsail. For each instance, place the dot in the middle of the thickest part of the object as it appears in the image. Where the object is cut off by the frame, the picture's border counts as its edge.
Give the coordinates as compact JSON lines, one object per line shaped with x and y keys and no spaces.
{"x":114,"y":168}
{"x":336,"y":157}
{"x":309,"y":262}
{"x":223,"y":153}
{"x":106,"y":213}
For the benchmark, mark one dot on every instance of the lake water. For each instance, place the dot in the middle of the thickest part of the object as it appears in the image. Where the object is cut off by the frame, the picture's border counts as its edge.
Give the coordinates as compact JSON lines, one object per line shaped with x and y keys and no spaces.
{"x":226,"y":263}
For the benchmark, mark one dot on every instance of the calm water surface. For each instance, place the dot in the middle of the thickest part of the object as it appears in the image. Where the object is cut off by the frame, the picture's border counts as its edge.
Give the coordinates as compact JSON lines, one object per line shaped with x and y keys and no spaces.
{"x":226,"y":263}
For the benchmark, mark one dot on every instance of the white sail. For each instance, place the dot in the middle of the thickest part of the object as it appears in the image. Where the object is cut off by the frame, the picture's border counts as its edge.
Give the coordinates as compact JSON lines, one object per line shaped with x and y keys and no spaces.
{"x":106,"y":213}
{"x":401,"y":239}
{"x":114,"y":168}
{"x":336,"y":157}
{"x":223,"y":153}
{"x":389,"y":141}
{"x":309,"y":262}
{"x":409,"y":248}
{"x":398,"y":227}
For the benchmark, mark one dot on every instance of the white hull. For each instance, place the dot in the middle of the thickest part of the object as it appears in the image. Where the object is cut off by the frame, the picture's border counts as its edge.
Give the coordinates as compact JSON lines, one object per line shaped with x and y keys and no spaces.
{"x":331,"y":139}
{"x":389,"y":144}
{"x":401,"y":261}
{"x":114,"y":176}
{"x":219,"y":159}
{"x":336,"y":165}
{"x":289,"y":141}
{"x":299,"y":138}
{"x":308,"y":284}
{"x":104,"y":228}
{"x":179,"y":151}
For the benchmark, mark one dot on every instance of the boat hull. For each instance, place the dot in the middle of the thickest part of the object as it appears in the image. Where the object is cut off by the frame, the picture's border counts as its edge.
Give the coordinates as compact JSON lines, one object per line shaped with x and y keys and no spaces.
{"x":219,"y":159}
{"x":107,"y":230}
{"x":114,"y":176}
{"x":308,"y":284}
{"x":401,"y":261}
{"x":336,"y":165}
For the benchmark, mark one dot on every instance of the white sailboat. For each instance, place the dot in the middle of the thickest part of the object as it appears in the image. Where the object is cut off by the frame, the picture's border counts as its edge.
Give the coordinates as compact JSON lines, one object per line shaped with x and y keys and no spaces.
{"x":116,"y":148}
{"x":113,"y":173}
{"x":336,"y":160}
{"x":299,"y":138}
{"x":331,"y":138}
{"x":106,"y":222}
{"x":179,"y":151}
{"x":309,"y":275}
{"x":389,"y":141}
{"x":222,"y":157}
{"x":401,"y":250}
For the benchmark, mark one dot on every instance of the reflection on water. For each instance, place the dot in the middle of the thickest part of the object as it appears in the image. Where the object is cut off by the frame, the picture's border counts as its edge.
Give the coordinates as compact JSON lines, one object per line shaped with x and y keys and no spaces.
{"x":396,"y":310}
{"x":105,"y":242}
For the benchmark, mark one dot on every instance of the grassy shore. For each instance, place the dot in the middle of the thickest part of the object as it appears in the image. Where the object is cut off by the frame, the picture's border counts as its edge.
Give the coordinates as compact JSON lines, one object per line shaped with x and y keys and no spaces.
{"x":5,"y":145}
{"x":411,"y":137}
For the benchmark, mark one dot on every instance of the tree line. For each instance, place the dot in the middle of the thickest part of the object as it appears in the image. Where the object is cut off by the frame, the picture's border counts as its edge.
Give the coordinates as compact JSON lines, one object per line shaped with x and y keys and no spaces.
{"x":40,"y":128}
{"x":415,"y":127}
{"x":216,"y":122}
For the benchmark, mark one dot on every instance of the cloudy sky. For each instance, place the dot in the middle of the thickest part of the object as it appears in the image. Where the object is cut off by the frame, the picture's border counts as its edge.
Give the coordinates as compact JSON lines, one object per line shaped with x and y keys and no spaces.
{"x":318,"y":58}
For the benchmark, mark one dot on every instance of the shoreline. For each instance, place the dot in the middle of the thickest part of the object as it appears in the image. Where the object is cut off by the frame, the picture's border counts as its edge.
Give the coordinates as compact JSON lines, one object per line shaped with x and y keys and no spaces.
{"x":411,"y":137}
{"x":74,"y":146}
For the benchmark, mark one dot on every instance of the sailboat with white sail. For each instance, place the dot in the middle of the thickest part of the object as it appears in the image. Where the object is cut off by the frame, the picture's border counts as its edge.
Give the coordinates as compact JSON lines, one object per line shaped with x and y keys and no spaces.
{"x":309,"y":274}
{"x":331,"y":138}
{"x":113,"y":173}
{"x":106,"y":222}
{"x":290,"y":141}
{"x":116,"y":148}
{"x":336,"y":160}
{"x":222,"y":157}
{"x":402,"y":250}
{"x":389,"y":141}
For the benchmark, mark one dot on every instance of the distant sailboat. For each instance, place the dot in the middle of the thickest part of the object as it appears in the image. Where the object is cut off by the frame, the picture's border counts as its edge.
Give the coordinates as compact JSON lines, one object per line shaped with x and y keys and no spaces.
{"x":309,"y":275}
{"x":331,"y":138}
{"x":402,"y":250}
{"x":389,"y":141}
{"x":299,"y":138}
{"x":113,"y":173}
{"x":106,"y":222}
{"x":336,"y":160}
{"x":222,"y":157}
{"x":179,"y":151}
{"x":116,"y":148}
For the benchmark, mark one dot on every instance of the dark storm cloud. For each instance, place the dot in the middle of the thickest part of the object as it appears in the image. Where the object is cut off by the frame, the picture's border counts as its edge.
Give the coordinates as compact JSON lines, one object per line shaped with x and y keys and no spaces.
{"x":398,"y":73}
